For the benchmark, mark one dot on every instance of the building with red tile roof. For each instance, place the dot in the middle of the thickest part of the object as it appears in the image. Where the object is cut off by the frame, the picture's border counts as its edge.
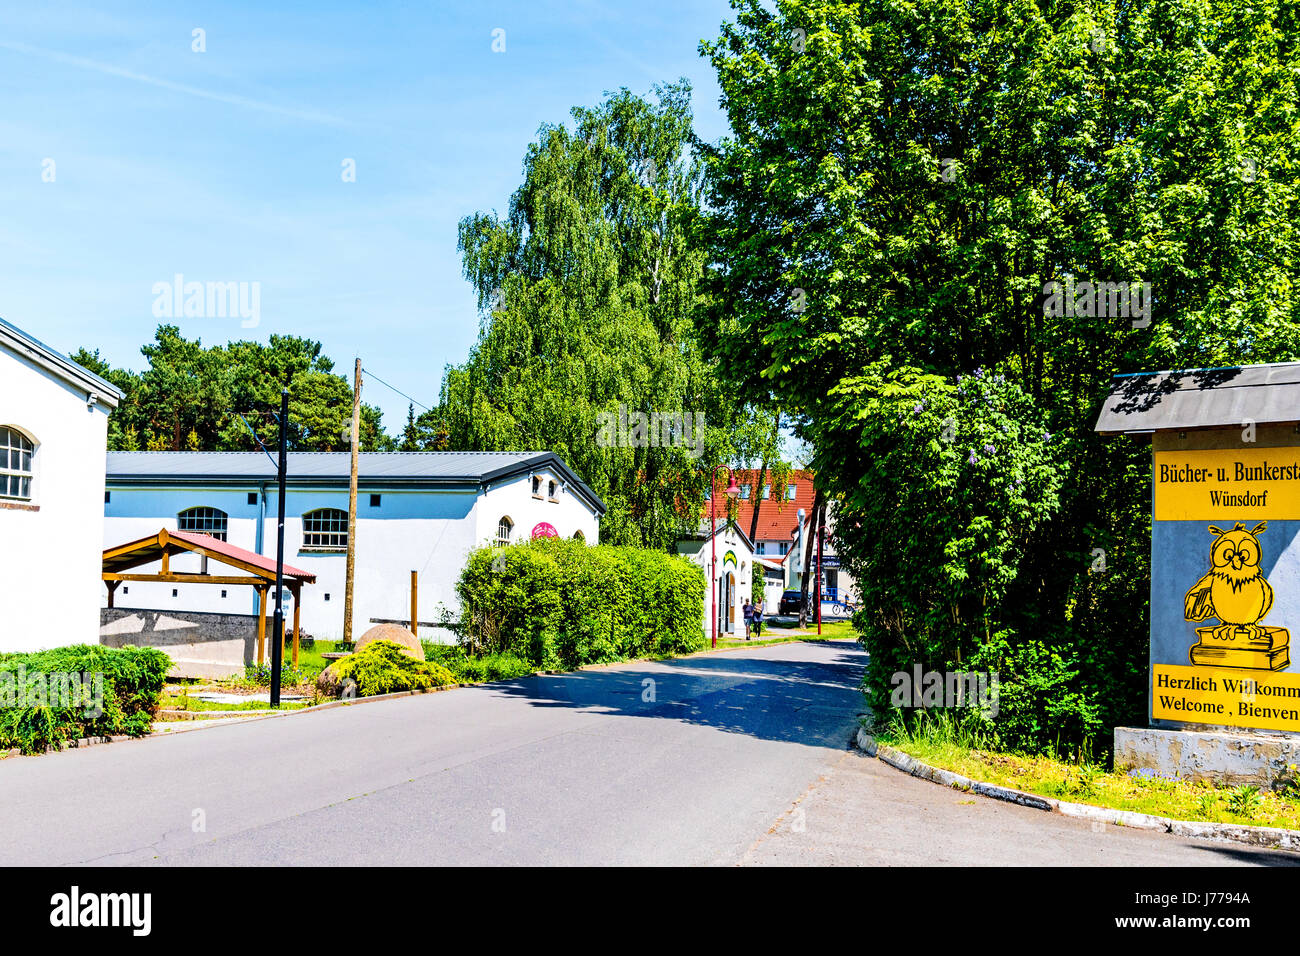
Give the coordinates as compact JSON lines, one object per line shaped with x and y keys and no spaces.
{"x":778,"y":518}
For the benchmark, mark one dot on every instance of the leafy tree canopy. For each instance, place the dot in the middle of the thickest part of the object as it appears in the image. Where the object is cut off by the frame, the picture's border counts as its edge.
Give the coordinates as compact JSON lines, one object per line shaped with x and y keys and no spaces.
{"x":588,"y":285}
{"x":196,"y":398}
{"x":901,"y":183}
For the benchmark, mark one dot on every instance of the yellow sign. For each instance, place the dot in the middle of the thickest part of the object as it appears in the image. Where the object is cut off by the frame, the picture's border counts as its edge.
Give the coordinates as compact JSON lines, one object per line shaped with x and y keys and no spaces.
{"x":1218,"y":483}
{"x":1231,"y":697}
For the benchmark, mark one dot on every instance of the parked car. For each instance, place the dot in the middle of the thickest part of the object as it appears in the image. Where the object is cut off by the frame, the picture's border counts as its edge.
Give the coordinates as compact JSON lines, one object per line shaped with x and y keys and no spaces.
{"x":789,"y":603}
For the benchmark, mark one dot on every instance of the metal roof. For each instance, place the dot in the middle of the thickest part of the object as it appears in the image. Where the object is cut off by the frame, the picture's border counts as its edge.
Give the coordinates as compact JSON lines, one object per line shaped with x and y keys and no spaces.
{"x":54,"y":361}
{"x":328,"y":468}
{"x":1201,"y":398}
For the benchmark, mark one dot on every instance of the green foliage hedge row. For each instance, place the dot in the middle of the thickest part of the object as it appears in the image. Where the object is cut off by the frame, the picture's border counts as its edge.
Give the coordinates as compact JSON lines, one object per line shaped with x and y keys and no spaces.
{"x":559,"y":603}
{"x":973,"y":463}
{"x":50,"y":697}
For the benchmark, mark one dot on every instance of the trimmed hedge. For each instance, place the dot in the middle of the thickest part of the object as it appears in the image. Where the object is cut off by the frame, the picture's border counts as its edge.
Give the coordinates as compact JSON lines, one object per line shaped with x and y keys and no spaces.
{"x":50,"y":697}
{"x":382,"y":667}
{"x":559,"y":604}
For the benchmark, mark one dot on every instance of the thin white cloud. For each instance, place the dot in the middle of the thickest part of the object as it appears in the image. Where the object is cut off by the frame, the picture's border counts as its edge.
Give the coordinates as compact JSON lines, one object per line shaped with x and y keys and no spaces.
{"x":310,"y":116}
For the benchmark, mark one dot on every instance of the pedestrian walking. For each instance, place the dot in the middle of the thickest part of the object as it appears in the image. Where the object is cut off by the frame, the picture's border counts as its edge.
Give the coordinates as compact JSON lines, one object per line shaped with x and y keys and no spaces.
{"x":758,"y":618}
{"x":748,"y":611}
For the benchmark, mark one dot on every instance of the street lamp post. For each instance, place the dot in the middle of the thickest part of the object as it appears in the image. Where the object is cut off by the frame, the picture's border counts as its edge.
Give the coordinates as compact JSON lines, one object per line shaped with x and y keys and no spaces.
{"x":732,"y":491}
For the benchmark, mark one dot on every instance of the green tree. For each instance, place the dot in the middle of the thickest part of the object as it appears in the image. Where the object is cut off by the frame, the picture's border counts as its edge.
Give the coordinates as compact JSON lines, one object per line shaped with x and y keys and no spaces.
{"x":588,"y":285}
{"x":196,"y":398}
{"x":900,"y":185}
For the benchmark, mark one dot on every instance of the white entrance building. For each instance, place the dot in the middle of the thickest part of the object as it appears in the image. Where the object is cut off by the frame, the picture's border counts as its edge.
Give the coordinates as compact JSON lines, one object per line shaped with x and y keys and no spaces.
{"x":53,"y":429}
{"x":732,"y":578}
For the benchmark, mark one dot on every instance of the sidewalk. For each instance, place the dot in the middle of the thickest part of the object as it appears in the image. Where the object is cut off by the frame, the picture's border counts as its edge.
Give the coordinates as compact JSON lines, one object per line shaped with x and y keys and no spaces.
{"x":863,"y":812}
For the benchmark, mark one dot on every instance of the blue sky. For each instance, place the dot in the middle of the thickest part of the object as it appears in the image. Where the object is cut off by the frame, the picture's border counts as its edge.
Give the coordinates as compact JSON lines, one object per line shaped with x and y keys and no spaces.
{"x":226,"y":165}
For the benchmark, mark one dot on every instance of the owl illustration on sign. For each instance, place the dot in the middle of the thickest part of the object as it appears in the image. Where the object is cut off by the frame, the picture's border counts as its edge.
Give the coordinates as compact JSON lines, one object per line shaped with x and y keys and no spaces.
{"x":1235,"y":590}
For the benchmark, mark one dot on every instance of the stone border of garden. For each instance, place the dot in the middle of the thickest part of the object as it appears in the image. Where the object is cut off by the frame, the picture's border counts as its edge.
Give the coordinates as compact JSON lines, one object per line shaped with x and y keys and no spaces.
{"x":1274,"y":838}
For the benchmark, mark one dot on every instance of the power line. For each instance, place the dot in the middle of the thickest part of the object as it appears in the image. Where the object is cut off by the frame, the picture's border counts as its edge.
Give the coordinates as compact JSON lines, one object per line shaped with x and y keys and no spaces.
{"x":397,"y":390}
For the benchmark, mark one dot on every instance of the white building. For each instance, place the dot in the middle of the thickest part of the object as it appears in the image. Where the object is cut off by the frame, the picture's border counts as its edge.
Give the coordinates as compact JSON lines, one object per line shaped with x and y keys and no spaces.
{"x":53,"y":429}
{"x":732,"y":583}
{"x":838,"y":586}
{"x":416,"y":511}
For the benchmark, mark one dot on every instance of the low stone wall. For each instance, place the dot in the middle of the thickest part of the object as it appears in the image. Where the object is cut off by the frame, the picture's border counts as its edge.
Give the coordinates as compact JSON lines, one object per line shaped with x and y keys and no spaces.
{"x":202,"y":644}
{"x":1234,"y":758}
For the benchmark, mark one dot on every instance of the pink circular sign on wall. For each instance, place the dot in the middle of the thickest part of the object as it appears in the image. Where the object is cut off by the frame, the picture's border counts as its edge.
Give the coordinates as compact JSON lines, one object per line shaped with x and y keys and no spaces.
{"x":544,"y":529}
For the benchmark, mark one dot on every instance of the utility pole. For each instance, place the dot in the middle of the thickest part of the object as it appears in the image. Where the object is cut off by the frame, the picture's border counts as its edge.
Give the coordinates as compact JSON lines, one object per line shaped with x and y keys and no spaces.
{"x":415,"y":603}
{"x":814,"y":521}
{"x":800,"y":516}
{"x":821,"y":537}
{"x":352,"y":507}
{"x":277,"y":635}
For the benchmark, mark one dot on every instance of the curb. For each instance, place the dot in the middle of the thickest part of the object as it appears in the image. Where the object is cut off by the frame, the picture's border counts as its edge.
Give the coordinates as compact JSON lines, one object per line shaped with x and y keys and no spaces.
{"x":79,"y":744}
{"x":238,"y":716}
{"x":1273,"y":838}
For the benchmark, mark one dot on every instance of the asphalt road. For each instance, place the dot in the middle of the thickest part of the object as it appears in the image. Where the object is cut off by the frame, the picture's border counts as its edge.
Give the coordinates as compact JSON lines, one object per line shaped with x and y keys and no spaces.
{"x":735,"y":758}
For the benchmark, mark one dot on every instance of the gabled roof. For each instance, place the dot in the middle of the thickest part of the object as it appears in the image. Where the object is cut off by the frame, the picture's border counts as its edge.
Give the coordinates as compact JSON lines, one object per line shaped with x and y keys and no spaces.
{"x":12,"y":337}
{"x":123,"y":557}
{"x":388,"y":469}
{"x":719,"y":525}
{"x":1201,"y":398}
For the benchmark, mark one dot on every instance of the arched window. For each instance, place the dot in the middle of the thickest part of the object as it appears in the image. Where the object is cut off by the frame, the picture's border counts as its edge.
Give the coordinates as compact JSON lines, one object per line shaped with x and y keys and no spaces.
{"x":203,"y":521}
{"x":504,"y":527}
{"x":16,"y":452}
{"x":579,"y":536}
{"x":325,"y":529}
{"x":550,"y":490}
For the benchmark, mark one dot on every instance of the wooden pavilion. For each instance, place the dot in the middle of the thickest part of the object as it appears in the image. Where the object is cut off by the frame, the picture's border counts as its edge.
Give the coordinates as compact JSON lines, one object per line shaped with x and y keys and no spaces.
{"x":259,"y":572}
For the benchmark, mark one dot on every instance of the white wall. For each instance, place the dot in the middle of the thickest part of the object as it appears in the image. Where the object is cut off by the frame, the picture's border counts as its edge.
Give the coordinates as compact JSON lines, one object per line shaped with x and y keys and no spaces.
{"x":794,"y":564}
{"x":50,"y":561}
{"x":701,"y":552}
{"x":513,"y":497}
{"x":428,"y":531}
{"x":425,"y":531}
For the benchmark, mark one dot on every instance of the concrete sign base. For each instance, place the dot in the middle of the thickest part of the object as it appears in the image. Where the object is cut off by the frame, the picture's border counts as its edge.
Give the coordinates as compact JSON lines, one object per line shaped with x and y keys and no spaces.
{"x":1234,"y":758}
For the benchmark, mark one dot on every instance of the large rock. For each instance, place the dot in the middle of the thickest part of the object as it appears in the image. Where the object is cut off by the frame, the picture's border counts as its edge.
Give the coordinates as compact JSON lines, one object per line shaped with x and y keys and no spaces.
{"x":395,"y":633}
{"x":328,"y":683}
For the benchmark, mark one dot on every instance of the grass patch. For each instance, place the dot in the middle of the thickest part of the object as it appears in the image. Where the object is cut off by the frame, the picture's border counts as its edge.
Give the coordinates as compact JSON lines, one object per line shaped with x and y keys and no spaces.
{"x":311,"y":660}
{"x":831,"y":630}
{"x":960,"y":746}
{"x":172,"y":700}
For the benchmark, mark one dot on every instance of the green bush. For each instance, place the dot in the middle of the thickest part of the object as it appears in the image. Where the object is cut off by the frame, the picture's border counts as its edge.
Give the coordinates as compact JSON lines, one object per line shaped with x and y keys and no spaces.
{"x":1043,"y":706}
{"x":383,"y":667}
{"x":558,"y":603}
{"x":965,"y":476}
{"x":50,"y":697}
{"x":472,"y":669}
{"x":259,"y":675}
